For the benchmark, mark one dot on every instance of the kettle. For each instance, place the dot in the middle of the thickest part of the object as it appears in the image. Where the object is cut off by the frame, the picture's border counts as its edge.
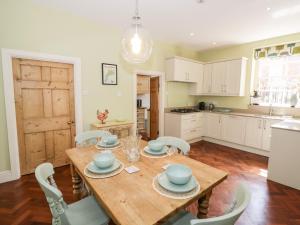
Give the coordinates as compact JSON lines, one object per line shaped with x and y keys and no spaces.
{"x":211,"y":107}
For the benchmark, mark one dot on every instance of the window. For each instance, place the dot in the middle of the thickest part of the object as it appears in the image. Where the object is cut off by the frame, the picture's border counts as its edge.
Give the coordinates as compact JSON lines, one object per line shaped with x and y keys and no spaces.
{"x":279,"y":80}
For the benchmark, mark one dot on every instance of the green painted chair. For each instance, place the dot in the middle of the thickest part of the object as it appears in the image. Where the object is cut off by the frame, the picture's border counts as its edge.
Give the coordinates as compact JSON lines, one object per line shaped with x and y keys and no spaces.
{"x":90,"y":137}
{"x":178,"y":143}
{"x":84,"y":212}
{"x":242,"y":198}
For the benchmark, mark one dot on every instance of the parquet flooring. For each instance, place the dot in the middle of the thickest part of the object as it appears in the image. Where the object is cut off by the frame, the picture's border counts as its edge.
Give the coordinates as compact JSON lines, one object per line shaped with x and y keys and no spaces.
{"x":23,"y":203}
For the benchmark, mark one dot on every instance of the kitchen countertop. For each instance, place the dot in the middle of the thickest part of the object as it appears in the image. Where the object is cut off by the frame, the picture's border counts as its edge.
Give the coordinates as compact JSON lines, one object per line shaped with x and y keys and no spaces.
{"x":241,"y":114}
{"x":292,"y":125}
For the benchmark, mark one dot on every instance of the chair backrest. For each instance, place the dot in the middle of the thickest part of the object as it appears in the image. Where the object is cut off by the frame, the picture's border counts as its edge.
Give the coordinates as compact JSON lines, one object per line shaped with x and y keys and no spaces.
{"x":178,"y":143}
{"x":44,"y":175}
{"x":242,"y":198}
{"x":90,"y":137}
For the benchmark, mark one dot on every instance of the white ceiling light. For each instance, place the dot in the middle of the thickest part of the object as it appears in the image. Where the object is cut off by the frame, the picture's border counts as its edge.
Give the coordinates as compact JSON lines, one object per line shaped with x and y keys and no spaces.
{"x":268,"y":9}
{"x":214,"y":43}
{"x":286,"y":12}
{"x":136,"y":42}
{"x":192,"y":34}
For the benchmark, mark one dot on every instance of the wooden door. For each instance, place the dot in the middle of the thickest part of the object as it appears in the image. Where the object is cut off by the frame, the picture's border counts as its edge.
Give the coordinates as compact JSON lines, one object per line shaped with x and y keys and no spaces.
{"x":154,"y":107}
{"x":44,"y":103}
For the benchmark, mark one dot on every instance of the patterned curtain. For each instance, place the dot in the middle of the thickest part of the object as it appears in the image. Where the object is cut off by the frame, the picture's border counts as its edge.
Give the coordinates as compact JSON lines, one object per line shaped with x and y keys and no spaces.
{"x":278,"y":51}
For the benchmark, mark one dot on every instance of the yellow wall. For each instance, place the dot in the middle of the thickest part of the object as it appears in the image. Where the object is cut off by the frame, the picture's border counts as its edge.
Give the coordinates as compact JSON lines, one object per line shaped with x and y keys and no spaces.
{"x":245,"y":50}
{"x":27,"y":26}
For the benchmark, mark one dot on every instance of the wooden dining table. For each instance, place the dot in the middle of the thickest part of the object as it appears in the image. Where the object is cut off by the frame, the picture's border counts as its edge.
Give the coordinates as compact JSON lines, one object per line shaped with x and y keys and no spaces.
{"x":130,"y":199}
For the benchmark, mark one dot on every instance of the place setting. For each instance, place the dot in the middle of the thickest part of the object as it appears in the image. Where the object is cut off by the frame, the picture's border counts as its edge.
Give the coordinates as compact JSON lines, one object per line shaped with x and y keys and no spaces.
{"x":108,"y":142}
{"x":176,"y":182}
{"x":157,"y":149}
{"x":104,"y":165}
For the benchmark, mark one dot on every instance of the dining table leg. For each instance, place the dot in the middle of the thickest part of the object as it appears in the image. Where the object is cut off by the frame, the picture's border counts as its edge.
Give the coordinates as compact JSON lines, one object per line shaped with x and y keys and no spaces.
{"x":77,"y":182}
{"x":203,"y":204}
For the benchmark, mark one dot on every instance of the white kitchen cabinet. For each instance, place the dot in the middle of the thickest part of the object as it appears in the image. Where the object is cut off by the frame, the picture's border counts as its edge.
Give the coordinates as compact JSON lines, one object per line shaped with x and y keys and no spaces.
{"x":267,"y":133}
{"x":197,"y":88}
{"x":234,"y":78}
{"x":207,"y":73}
{"x":218,"y":78}
{"x":213,"y":124}
{"x":186,"y":126}
{"x":183,"y":70}
{"x":258,"y":132}
{"x":233,"y":129}
{"x":254,"y":131}
{"x":225,"y":78}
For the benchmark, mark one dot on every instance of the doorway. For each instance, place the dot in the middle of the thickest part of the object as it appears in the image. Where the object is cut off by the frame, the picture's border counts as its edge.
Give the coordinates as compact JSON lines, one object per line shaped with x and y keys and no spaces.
{"x":147,"y":102}
{"x":45,"y":111}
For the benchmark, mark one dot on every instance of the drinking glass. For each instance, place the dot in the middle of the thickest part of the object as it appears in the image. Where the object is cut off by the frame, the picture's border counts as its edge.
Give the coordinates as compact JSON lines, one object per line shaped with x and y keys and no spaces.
{"x":131,"y":148}
{"x":171,"y":150}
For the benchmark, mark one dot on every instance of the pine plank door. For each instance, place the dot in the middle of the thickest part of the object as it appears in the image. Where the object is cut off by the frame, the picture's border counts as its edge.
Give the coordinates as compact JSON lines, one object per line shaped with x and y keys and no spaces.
{"x":154,"y":107}
{"x":44,"y":100}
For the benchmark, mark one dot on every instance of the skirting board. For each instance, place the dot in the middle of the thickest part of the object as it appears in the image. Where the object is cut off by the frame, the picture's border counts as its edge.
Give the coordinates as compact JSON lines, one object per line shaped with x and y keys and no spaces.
{"x":6,"y":176}
{"x":237,"y":146}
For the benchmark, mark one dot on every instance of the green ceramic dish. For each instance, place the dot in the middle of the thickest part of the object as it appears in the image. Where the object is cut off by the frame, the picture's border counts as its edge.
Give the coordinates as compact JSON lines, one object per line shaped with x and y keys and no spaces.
{"x":166,"y":184}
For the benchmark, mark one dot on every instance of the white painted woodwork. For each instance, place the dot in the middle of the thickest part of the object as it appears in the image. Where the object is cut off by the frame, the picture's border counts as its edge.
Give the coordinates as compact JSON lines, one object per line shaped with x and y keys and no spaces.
{"x":250,"y":133}
{"x":235,"y":77}
{"x":284,"y":166}
{"x":183,"y":70}
{"x":185,"y":126}
{"x":254,"y":131}
{"x":197,"y":88}
{"x":213,"y":125}
{"x":219,"y":70}
{"x":233,"y":129}
{"x":207,"y":76}
{"x":258,"y":132}
{"x":223,"y":78}
{"x":267,"y":133}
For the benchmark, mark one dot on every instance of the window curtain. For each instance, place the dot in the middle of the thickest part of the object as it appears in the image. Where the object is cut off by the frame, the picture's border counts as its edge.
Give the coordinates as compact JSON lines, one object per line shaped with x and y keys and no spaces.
{"x":278,"y":51}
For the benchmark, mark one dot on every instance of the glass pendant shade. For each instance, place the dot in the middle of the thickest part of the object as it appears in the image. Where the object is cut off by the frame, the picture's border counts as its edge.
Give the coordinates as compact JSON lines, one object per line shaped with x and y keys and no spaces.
{"x":136,"y":42}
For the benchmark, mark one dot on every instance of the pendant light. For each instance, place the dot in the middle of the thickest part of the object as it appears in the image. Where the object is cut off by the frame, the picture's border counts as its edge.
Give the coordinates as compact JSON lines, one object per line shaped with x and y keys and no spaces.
{"x":136,"y":41}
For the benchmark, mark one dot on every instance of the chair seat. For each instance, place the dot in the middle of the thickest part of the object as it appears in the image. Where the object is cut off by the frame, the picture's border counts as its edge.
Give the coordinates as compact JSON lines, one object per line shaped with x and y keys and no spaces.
{"x":181,"y":218}
{"x":86,"y":212}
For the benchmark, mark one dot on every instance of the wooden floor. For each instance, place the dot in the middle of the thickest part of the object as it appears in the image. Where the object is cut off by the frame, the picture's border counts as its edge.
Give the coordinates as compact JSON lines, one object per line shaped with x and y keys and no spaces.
{"x":22,"y":201}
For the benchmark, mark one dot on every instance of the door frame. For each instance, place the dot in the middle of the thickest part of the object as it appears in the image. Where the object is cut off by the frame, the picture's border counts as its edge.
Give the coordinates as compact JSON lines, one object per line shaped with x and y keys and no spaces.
{"x":161,"y":76}
{"x":8,"y":82}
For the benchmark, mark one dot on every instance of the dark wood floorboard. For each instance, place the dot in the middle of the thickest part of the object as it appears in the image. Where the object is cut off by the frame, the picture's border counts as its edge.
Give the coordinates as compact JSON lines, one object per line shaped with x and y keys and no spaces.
{"x":22,"y":201}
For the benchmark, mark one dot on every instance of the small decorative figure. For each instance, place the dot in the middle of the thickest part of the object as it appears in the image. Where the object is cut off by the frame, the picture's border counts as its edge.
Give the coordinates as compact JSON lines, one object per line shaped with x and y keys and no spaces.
{"x":102,"y":116}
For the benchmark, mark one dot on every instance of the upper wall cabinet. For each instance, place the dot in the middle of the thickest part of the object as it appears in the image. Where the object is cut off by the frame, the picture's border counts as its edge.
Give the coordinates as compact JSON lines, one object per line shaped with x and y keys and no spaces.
{"x":183,"y":70}
{"x":226,"y":78}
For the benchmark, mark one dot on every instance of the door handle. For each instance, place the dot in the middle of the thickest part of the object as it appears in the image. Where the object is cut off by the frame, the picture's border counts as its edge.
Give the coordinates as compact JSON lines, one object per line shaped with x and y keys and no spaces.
{"x":70,"y":122}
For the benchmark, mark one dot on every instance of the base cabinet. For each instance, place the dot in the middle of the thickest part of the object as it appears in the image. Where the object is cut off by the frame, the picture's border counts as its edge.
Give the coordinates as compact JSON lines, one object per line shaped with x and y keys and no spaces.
{"x":187,"y":127}
{"x":213,"y":125}
{"x":233,"y":129}
{"x":253,"y":132}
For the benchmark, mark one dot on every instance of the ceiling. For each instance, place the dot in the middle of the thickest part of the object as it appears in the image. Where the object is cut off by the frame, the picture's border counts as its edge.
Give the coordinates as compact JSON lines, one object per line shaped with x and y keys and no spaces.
{"x":210,"y":24}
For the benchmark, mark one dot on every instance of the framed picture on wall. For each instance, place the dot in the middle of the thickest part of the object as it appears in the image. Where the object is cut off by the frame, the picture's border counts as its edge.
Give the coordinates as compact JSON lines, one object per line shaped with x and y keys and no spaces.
{"x":109,"y":74}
